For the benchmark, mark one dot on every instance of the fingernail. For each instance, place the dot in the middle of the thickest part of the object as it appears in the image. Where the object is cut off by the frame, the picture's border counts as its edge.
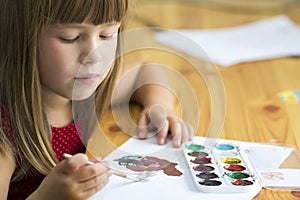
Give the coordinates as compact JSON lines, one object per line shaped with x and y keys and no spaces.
{"x":176,"y":143}
{"x":162,"y":141}
{"x":98,"y":158}
{"x":141,"y":135}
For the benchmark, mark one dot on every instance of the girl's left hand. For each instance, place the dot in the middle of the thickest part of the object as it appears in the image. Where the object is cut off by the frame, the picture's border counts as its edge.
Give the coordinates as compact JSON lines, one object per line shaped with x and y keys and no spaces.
{"x":164,"y":121}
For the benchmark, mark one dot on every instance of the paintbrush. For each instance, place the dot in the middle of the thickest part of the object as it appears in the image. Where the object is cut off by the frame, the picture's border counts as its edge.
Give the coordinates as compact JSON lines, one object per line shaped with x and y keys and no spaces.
{"x":114,"y":172}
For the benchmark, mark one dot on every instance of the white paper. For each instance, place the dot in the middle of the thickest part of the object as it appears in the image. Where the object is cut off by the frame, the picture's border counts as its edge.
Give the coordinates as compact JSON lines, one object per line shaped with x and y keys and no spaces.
{"x":271,"y":38}
{"x":264,"y":156}
{"x":280,"y":178}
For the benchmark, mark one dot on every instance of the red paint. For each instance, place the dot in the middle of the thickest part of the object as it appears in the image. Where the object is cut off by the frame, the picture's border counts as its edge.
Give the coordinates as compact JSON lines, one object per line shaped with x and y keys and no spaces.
{"x":241,"y":182}
{"x":234,"y":168}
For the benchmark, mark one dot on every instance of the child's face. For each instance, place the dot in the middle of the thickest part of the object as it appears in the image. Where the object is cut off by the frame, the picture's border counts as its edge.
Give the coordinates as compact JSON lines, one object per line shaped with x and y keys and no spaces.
{"x":75,"y":58}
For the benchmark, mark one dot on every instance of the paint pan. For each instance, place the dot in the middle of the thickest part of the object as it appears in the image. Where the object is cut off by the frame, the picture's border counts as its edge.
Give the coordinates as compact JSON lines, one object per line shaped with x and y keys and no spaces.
{"x":219,"y":168}
{"x":223,"y":166}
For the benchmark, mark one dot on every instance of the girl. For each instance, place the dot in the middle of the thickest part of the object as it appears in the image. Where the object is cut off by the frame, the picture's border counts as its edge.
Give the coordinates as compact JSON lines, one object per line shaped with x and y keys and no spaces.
{"x":46,"y":52}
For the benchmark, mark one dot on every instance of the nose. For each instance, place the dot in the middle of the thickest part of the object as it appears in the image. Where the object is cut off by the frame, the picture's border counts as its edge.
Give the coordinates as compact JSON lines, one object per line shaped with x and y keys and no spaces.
{"x":90,"y":51}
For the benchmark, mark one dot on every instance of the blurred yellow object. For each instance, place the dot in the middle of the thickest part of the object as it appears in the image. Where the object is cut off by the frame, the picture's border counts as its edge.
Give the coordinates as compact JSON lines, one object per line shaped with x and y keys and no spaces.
{"x":290,"y":96}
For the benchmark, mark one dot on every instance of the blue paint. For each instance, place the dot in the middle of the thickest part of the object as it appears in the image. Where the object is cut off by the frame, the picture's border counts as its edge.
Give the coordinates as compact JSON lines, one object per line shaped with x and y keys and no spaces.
{"x":224,"y":147}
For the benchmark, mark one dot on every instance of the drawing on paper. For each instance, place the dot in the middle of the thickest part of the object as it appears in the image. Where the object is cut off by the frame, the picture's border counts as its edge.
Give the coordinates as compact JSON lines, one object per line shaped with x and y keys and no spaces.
{"x":139,"y":164}
{"x":273,"y":176}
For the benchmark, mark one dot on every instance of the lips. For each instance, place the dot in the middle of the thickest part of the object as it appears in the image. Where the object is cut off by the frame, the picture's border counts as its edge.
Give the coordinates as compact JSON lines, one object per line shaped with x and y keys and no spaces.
{"x":87,"y":79}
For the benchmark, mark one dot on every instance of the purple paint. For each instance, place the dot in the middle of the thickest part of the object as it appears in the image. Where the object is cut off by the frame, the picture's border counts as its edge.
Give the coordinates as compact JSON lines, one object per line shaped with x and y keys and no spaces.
{"x":207,"y":175}
{"x":201,"y":160}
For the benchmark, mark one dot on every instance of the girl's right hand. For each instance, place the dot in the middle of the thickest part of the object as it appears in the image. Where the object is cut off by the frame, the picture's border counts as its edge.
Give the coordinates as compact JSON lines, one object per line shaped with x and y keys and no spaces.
{"x":73,"y":179}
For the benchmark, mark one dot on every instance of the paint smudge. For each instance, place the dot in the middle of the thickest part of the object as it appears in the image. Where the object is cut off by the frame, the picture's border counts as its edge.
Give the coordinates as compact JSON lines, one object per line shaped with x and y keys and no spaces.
{"x":203,"y":168}
{"x":210,"y":183}
{"x":224,"y":147}
{"x":237,"y":175}
{"x":148,"y":163}
{"x":231,"y":160}
{"x":234,"y":167}
{"x":240,"y":182}
{"x":195,"y":147}
{"x":201,"y":161}
{"x":207,"y":175}
{"x":199,"y":154}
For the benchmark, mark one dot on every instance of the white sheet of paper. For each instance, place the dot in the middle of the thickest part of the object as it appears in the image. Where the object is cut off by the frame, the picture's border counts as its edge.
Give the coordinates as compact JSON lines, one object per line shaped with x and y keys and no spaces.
{"x":271,"y":38}
{"x":264,"y":156}
{"x":280,"y":178}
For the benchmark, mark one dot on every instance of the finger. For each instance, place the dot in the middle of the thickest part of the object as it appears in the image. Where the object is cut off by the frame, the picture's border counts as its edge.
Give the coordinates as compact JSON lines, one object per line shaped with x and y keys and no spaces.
{"x":94,"y":182}
{"x":96,"y":159}
{"x":90,"y":171}
{"x":142,"y":129}
{"x":175,"y":128}
{"x":184,"y":132}
{"x":191,"y":132}
{"x":71,"y":165}
{"x":163,"y":133}
{"x":158,"y":116}
{"x":90,"y":192}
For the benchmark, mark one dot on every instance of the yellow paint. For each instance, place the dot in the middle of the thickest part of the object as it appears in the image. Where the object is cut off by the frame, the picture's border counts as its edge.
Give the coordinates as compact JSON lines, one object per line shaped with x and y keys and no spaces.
{"x":231,"y":160}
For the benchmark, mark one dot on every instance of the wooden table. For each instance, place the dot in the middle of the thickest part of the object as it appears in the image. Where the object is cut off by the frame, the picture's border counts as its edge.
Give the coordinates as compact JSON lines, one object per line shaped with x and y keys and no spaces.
{"x":253,"y":110}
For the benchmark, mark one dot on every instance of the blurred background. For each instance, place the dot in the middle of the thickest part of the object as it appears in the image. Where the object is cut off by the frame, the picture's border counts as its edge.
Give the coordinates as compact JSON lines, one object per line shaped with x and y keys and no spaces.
{"x":210,"y":13}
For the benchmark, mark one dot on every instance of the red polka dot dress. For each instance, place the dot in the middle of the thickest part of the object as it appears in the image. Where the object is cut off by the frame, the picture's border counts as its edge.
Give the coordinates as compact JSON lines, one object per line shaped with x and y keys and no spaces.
{"x":67,"y":140}
{"x":64,"y":140}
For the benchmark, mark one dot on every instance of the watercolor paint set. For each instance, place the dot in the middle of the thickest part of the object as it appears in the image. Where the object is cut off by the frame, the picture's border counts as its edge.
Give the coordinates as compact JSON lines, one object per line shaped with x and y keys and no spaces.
{"x":222,"y":166}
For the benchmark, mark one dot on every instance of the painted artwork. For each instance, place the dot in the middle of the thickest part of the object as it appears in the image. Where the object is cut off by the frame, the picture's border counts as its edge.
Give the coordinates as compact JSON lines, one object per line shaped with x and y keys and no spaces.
{"x":141,"y":164}
{"x":274,"y":176}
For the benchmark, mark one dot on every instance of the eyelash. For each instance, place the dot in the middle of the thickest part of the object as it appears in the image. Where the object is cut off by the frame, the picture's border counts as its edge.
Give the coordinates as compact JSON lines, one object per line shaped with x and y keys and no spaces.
{"x":69,"y":41}
{"x":106,"y":37}
{"x":65,"y":40}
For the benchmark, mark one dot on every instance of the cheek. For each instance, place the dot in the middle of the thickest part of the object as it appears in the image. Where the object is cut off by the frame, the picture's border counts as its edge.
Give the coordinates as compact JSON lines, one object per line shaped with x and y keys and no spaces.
{"x":48,"y":68}
{"x":108,"y":52}
{"x":53,"y":62}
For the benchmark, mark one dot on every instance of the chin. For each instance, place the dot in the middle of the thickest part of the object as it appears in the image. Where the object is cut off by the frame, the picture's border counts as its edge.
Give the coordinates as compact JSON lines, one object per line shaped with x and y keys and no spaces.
{"x":79,"y":96}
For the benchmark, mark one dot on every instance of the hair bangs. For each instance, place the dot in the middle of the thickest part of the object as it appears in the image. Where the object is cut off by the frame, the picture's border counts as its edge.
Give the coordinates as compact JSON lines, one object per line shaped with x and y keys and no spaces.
{"x":90,"y":11}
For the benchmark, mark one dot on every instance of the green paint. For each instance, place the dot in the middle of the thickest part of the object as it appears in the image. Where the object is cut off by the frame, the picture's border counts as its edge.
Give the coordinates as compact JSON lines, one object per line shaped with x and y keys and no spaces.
{"x":237,"y":175}
{"x":195,"y":147}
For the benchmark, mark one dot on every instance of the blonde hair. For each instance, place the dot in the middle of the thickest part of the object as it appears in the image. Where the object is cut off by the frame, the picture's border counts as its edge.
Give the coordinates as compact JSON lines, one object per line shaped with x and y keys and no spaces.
{"x":22,"y":22}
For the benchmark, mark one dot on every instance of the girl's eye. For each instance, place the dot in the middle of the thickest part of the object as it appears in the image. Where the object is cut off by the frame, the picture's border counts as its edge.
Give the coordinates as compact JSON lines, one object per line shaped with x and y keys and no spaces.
{"x":106,"y":37}
{"x":67,"y":40}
